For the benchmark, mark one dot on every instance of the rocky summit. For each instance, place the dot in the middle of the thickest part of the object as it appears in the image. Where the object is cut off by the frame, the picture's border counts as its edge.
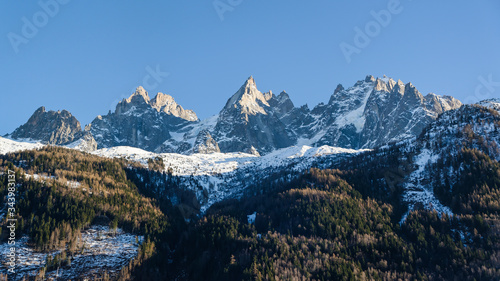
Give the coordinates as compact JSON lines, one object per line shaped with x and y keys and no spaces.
{"x":142,"y":122}
{"x":371,"y":113}
{"x":165,"y":103}
{"x":52,"y":127}
{"x":251,"y":120}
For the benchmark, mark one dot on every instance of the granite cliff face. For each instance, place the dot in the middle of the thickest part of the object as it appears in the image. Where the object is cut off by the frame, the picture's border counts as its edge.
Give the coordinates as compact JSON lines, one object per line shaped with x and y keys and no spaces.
{"x":371,"y":113}
{"x":141,"y":122}
{"x":51,"y":127}
{"x":250,"y":121}
{"x":395,"y":111}
{"x":165,"y":103}
{"x":205,"y":144}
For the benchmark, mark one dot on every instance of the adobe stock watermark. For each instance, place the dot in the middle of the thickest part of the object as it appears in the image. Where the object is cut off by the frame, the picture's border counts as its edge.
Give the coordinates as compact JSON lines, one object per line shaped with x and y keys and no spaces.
{"x":373,"y":28}
{"x":153,"y":78}
{"x":484,"y":89}
{"x":49,"y":9}
{"x":223,"y":6}
{"x":11,"y":222}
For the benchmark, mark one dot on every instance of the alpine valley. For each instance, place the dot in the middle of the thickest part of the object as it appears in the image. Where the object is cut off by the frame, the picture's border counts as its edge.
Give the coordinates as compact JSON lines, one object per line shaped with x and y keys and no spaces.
{"x":379,"y":183}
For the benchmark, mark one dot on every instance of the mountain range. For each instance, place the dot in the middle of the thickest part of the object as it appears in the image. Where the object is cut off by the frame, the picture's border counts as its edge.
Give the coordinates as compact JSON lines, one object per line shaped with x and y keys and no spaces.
{"x":371,"y":113}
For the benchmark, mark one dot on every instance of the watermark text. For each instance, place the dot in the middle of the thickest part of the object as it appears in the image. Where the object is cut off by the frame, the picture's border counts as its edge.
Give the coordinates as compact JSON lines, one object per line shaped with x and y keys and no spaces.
{"x":363,"y":36}
{"x":31,"y":26}
{"x":11,"y":221}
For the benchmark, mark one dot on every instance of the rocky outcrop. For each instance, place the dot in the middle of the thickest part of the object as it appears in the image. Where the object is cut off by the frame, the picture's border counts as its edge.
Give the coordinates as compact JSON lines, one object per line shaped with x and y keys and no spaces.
{"x":141,"y":122}
{"x":205,"y":144}
{"x":86,"y":143}
{"x":51,"y":127}
{"x":281,"y":104}
{"x":167,"y":104}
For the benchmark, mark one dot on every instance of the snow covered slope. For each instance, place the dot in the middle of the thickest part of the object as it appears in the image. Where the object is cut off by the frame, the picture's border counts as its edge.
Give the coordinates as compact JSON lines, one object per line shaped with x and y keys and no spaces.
{"x":102,"y":250}
{"x":491,"y":103}
{"x":8,"y":145}
{"x":469,"y":127}
{"x":417,"y":191}
{"x":208,"y":164}
{"x":86,"y":143}
{"x":217,"y":176}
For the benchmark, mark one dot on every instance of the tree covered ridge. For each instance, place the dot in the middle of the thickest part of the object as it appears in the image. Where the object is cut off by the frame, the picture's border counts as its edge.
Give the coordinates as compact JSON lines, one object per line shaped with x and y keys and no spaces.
{"x":320,"y":228}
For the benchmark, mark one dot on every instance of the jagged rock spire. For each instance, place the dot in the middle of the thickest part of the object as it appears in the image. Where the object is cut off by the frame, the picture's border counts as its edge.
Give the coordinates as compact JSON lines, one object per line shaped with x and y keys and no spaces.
{"x":248,"y":99}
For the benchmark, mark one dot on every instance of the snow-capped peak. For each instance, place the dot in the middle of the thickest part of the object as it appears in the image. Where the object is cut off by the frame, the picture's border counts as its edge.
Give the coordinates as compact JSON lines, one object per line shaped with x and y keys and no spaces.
{"x":248,"y":99}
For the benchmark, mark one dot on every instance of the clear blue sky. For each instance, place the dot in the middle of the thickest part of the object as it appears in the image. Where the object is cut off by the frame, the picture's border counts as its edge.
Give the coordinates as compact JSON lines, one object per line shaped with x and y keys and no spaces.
{"x":89,"y":54}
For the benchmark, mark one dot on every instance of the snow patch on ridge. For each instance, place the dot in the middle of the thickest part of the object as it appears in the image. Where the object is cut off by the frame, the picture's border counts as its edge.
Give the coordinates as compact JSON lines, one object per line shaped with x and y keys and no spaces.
{"x":104,"y":249}
{"x":356,"y":117}
{"x":491,"y":103}
{"x":251,"y":218}
{"x":418,"y":192}
{"x":126,"y":152}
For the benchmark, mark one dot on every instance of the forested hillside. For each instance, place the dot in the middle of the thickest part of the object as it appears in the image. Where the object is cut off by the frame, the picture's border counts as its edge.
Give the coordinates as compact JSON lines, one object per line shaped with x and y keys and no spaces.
{"x":320,"y":228}
{"x":61,"y":191}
